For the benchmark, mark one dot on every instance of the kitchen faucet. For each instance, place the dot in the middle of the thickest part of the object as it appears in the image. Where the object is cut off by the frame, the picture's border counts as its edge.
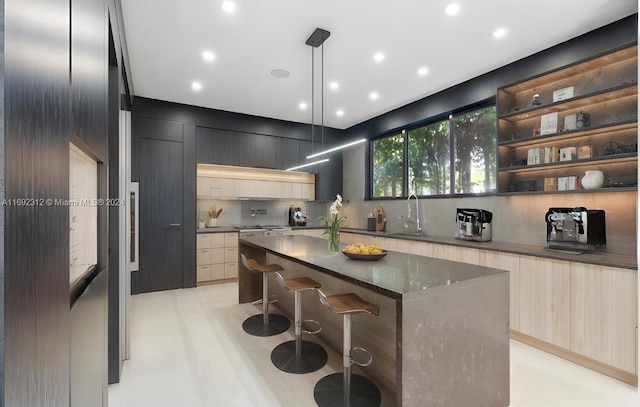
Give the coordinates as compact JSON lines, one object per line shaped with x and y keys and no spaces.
{"x":418,"y":230}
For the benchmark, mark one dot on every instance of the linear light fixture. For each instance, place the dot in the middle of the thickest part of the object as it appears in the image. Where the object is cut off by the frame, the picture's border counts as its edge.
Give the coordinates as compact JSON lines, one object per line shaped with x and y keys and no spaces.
{"x":307,"y":164}
{"x":353,"y":143}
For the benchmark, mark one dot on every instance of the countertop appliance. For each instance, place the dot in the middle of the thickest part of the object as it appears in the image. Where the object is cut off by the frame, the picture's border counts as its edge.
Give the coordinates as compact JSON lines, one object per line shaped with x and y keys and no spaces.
{"x":261,"y":230}
{"x":473,"y":224}
{"x":297,"y":217}
{"x":575,"y":229}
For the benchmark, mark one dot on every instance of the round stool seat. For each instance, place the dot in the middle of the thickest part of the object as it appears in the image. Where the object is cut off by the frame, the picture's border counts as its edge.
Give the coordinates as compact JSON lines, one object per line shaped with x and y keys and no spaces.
{"x":350,"y":303}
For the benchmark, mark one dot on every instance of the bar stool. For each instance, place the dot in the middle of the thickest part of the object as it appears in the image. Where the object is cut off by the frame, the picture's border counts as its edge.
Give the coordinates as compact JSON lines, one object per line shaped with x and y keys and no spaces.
{"x":299,"y":356}
{"x":264,"y":324}
{"x":346,"y":389}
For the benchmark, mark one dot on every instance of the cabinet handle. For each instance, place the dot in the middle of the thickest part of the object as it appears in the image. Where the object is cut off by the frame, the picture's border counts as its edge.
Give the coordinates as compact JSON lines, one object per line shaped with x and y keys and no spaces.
{"x":174,"y":225}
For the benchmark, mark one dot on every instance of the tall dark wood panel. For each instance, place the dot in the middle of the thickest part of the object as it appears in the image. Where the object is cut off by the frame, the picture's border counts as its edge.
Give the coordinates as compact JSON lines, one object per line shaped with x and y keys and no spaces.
{"x":287,"y":153}
{"x":161,"y":216}
{"x":36,"y":238}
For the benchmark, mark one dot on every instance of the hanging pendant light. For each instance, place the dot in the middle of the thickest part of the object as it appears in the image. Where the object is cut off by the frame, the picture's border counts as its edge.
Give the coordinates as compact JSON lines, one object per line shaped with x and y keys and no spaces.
{"x":316,"y":40}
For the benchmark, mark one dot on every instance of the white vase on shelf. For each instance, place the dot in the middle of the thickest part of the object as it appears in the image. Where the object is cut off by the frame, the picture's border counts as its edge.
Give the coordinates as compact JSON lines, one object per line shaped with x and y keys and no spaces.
{"x":592,"y":179}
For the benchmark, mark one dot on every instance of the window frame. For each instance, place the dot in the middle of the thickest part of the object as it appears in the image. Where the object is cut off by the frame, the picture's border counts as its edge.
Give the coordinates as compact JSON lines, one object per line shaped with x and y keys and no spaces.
{"x":405,"y":130}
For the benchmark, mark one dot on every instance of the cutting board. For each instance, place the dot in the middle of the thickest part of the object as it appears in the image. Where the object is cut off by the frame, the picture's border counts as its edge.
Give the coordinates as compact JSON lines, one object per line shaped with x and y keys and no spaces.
{"x":378,"y":215}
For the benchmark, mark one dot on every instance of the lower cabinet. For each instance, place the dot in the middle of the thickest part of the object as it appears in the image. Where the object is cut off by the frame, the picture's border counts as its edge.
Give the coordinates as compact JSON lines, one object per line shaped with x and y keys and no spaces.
{"x":545,"y":305}
{"x":216,"y":256}
{"x":604,"y":314}
{"x":585,"y":313}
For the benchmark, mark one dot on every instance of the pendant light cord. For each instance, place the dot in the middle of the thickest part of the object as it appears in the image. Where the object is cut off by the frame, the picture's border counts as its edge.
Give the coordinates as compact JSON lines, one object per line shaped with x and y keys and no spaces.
{"x":322,"y":100}
{"x":312,"y":95}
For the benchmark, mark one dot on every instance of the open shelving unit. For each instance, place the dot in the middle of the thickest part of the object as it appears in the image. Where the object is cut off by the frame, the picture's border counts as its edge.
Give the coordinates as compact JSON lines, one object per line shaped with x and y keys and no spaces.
{"x":605,"y":88}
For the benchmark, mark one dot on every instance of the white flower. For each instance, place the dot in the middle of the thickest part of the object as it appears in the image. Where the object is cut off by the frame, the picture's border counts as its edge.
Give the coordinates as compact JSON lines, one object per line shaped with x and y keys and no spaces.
{"x":336,"y":205}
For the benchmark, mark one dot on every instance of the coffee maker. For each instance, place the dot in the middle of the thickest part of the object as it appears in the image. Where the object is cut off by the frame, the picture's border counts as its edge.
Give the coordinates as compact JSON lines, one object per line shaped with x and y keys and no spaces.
{"x":575,"y":229}
{"x":473,"y":224}
{"x":297,"y":217}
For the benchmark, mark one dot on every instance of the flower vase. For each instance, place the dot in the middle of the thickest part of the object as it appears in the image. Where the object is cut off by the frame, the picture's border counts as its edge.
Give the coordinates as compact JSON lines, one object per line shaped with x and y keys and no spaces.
{"x":334,"y":242}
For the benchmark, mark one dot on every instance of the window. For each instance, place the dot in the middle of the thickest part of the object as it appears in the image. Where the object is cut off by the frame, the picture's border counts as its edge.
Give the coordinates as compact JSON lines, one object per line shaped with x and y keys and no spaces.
{"x":388,"y":163}
{"x":429,"y":160}
{"x":474,"y":140}
{"x":452,"y":156}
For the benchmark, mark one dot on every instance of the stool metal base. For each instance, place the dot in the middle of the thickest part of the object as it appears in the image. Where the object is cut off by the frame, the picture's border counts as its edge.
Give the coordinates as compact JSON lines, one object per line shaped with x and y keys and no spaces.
{"x":255,"y":325}
{"x":329,"y":392}
{"x":312,"y":357}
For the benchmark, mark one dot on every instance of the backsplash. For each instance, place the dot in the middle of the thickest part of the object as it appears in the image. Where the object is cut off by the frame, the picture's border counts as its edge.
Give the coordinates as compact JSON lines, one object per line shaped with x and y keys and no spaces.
{"x":256,"y":212}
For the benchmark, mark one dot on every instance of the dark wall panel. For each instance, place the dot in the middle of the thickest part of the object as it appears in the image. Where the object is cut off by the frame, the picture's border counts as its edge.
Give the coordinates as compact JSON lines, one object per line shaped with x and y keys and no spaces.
{"x":219,"y":119}
{"x":36,"y":263}
{"x":189,"y":207}
{"x":88,"y":328}
{"x":89,"y":55}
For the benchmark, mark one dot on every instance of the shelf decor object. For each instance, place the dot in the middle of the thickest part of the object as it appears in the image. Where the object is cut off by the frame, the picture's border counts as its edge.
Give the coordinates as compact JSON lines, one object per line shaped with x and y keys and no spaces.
{"x":592,"y":179}
{"x":583,"y":118}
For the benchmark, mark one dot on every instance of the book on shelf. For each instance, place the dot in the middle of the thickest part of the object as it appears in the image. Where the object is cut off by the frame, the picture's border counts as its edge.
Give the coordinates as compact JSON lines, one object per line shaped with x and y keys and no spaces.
{"x":550,"y":184}
{"x":568,"y":153}
{"x":549,"y":123}
{"x":585,"y":152}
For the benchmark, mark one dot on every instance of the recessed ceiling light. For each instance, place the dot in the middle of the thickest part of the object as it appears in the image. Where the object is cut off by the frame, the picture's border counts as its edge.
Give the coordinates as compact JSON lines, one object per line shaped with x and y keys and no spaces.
{"x":208,"y":55}
{"x":500,"y":32}
{"x":196,"y":86}
{"x":229,"y":6}
{"x":373,"y":95}
{"x":452,"y":9}
{"x":302,"y":106}
{"x":378,"y":57}
{"x":340,"y":112}
{"x":280,"y":73}
{"x":423,"y":71}
{"x":334,"y":85}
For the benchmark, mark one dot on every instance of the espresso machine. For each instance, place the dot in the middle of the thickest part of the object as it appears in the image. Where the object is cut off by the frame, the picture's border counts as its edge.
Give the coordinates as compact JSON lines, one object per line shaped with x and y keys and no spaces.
{"x":575,"y":229}
{"x":473,"y":224}
{"x":297,"y":217}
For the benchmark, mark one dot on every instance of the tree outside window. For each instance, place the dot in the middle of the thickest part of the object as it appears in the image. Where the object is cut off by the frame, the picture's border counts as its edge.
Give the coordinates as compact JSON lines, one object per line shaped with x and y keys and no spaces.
{"x":420,"y":160}
{"x":388,"y":166}
{"x":475,"y":151}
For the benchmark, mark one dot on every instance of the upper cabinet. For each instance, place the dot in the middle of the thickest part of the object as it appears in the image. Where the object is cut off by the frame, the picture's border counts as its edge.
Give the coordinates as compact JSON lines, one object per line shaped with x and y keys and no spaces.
{"x":554,"y":127}
{"x":227,"y":182}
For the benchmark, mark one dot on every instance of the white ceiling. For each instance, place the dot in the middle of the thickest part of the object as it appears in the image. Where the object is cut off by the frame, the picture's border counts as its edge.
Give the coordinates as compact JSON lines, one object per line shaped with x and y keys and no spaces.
{"x":166,"y":39}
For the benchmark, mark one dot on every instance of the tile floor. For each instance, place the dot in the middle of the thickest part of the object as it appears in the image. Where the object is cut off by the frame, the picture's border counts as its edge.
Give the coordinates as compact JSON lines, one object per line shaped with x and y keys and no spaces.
{"x":188,"y":349}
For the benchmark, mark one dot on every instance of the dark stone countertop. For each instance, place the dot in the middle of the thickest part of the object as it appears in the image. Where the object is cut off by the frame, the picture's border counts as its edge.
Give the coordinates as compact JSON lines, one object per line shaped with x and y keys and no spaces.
{"x":397,"y":275}
{"x":599,"y":258}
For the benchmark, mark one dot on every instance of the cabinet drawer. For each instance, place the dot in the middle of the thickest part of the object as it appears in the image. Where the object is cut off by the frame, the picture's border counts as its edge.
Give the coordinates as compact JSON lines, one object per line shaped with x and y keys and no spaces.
{"x":217,"y":239}
{"x":203,"y":241}
{"x":217,"y":271}
{"x":231,"y":239}
{"x":203,"y":273}
{"x":217,"y":255}
{"x":203,"y":257}
{"x":231,"y":270}
{"x":231,"y":254}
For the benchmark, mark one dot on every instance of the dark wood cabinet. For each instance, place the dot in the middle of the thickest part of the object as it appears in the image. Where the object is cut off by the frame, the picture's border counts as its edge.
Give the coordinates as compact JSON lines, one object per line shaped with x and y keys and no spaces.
{"x":215,"y":146}
{"x":287,"y":153}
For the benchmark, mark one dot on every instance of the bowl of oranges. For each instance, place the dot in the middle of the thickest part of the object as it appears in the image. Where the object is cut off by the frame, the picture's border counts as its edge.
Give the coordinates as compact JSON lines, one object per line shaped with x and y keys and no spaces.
{"x":361,"y":251}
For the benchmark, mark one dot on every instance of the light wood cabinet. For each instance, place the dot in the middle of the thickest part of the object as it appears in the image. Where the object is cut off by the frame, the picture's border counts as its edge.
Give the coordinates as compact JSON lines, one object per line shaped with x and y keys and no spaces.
{"x":585,"y":313}
{"x":510,"y":262}
{"x":545,"y":300}
{"x":624,"y":319}
{"x":241,"y":182}
{"x":217,"y":256}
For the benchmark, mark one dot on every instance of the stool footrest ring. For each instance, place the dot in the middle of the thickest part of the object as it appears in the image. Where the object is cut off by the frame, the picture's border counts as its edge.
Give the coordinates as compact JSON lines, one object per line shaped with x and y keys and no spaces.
{"x":271,"y":301}
{"x":312,"y":322}
{"x":369,"y":355}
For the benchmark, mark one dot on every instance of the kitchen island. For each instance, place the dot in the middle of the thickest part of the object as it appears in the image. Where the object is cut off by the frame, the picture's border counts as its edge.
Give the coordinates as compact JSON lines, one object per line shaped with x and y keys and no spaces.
{"x":442,"y":336}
